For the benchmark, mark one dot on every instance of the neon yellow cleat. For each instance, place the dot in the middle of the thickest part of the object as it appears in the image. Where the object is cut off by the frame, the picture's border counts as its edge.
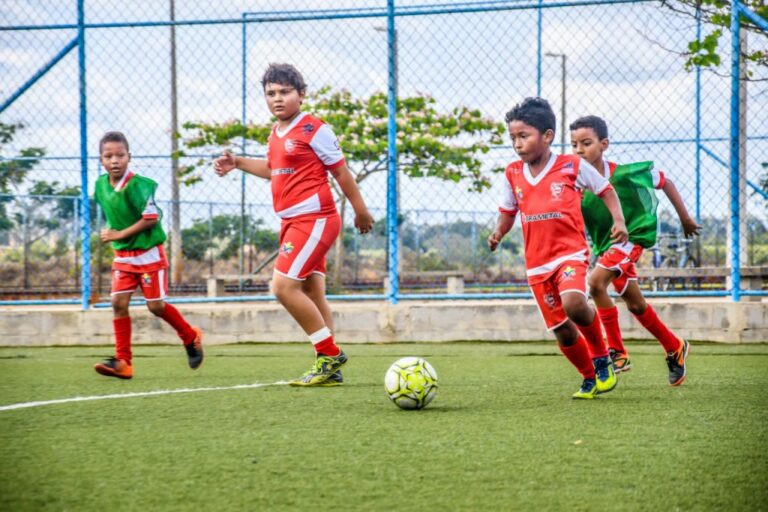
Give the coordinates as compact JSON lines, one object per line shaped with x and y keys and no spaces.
{"x":322,"y":371}
{"x":604,"y":375}
{"x":588,"y":390}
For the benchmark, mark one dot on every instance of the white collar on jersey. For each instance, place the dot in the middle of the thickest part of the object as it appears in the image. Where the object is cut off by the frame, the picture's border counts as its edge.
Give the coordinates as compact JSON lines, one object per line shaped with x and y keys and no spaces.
{"x":534,"y":181}
{"x":123,"y":181}
{"x":606,"y":169}
{"x":290,"y":126}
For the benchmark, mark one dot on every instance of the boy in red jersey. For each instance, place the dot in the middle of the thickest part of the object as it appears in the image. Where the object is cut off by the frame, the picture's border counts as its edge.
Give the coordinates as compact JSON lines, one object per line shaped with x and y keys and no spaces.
{"x":301,"y":150}
{"x":616,"y":263}
{"x":546,"y":190}
{"x":128,"y":202}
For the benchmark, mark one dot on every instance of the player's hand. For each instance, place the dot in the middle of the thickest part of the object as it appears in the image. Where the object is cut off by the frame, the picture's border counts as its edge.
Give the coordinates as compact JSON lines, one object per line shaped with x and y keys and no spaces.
{"x":494,"y":239}
{"x":224,"y":164}
{"x":364,"y":222}
{"x":109,"y":235}
{"x":690,"y":228}
{"x":619,"y":233}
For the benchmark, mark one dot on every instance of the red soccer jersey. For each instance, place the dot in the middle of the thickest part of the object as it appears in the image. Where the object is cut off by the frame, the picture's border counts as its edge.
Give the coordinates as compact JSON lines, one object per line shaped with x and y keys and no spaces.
{"x":299,"y":158}
{"x":550,"y":210}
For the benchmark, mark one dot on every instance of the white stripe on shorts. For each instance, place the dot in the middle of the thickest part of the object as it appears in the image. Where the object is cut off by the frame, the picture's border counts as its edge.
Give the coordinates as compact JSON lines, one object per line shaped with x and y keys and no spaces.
{"x":308,"y":249}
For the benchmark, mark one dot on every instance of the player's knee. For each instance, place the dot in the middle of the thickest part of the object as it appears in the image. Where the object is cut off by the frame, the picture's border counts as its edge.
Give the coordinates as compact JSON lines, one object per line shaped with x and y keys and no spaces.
{"x":577,"y":308}
{"x":156,"y":307}
{"x":637,"y":307}
{"x":597,"y":286}
{"x":119,"y":306}
{"x":282,"y":288}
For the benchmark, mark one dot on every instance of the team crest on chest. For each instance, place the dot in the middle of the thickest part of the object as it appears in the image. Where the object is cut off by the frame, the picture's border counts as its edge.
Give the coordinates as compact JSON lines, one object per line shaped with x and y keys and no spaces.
{"x":289,"y":145}
{"x":557,"y":190}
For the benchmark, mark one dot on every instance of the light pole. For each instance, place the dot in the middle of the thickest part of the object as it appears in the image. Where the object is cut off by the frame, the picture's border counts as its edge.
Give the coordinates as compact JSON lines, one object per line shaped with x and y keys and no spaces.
{"x":562,"y":99}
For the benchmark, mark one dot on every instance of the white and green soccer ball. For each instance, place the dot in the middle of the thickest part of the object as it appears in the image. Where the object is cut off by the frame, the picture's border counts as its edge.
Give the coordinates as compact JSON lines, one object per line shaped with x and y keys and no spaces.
{"x":411,"y":383}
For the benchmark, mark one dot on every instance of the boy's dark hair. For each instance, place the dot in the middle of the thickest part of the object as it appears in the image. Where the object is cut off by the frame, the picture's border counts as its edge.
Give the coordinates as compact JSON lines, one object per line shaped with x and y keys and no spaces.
{"x":114,"y":137}
{"x":535,"y":112}
{"x":284,"y":74}
{"x":595,"y":123}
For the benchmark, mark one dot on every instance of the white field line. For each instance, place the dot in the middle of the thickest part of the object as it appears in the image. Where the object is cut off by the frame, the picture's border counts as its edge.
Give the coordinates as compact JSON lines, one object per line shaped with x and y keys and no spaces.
{"x":26,"y":405}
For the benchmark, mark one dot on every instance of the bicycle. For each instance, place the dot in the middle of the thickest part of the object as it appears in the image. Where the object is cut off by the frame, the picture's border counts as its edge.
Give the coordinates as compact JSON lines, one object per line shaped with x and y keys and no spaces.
{"x":679,"y":254}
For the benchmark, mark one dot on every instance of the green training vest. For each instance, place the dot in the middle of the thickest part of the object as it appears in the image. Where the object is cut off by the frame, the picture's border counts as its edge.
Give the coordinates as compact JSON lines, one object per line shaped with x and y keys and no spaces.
{"x":633,"y":184}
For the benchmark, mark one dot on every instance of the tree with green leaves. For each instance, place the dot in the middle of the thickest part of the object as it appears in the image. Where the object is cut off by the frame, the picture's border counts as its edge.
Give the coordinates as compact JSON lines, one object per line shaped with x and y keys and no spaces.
{"x":430,"y":143}
{"x":705,"y":53}
{"x":13,"y":170}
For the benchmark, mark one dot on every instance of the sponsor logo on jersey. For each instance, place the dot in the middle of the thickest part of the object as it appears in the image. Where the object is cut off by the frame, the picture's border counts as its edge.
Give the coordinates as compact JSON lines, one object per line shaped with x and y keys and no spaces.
{"x":567,"y":165}
{"x":146,"y":278}
{"x":536,"y":217}
{"x":557,"y":190}
{"x":289,"y":145}
{"x":284,"y":170}
{"x":308,"y":128}
{"x":287,"y":248}
{"x":549,"y":300}
{"x":519,"y":192}
{"x":569,"y":272}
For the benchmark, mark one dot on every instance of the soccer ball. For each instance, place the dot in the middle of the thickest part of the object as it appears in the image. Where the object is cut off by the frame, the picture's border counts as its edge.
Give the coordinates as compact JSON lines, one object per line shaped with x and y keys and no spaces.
{"x":411,"y":383}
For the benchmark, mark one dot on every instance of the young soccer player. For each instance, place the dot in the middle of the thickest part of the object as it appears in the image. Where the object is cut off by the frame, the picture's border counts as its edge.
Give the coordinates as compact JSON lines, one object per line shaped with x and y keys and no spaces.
{"x":635,"y":184}
{"x":128,"y":202}
{"x":546,"y":189}
{"x":301,"y":150}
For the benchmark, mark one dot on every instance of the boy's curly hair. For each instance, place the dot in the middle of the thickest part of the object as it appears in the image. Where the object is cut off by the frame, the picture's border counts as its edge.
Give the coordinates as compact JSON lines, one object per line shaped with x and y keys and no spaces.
{"x":535,"y":112}
{"x":284,"y":74}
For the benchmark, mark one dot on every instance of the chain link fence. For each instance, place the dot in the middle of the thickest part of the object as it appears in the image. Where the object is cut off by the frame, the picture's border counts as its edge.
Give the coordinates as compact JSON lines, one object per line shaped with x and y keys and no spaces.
{"x":459,"y":67}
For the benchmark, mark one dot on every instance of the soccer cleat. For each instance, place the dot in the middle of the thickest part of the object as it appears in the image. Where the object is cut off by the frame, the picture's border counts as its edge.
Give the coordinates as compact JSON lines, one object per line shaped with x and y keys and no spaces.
{"x":588,"y":390}
{"x":621,"y":362}
{"x":195,"y":350}
{"x":676,"y":364}
{"x":604,"y":374}
{"x":321,"y":370}
{"x":114,"y":367}
{"x":336,"y":379}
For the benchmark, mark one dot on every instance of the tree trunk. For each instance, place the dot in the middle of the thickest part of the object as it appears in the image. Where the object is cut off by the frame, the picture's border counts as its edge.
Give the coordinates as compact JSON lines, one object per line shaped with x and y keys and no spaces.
{"x":338,"y":260}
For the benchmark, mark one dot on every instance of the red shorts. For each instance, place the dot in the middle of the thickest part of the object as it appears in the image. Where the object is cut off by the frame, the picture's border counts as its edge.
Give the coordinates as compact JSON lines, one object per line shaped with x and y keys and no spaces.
{"x":304,"y":244}
{"x":621,"y":258}
{"x":570,"y":277}
{"x":153,"y":284}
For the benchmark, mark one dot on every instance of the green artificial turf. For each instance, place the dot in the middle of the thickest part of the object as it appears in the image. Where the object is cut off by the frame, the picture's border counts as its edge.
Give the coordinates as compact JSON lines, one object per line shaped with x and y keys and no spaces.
{"x":502,"y":434}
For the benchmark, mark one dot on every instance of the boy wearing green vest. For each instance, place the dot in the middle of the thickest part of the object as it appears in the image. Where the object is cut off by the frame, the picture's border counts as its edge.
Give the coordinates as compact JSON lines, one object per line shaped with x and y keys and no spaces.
{"x":133,"y":220}
{"x":635,"y":185}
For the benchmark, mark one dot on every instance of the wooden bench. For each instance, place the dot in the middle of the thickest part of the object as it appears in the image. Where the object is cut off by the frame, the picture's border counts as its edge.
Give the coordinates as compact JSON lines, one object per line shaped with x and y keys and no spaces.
{"x":214,"y":284}
{"x":453,"y":279}
{"x":752,"y":278}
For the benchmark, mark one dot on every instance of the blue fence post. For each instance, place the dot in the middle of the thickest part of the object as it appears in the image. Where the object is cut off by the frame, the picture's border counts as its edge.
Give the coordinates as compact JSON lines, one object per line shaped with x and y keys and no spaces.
{"x":392,"y":155}
{"x":735,"y":73}
{"x":698,"y":125}
{"x":85,"y":205}
{"x":539,"y":28}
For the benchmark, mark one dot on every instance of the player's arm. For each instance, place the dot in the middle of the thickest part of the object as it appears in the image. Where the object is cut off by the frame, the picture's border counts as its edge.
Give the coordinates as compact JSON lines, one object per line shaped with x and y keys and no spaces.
{"x":503,"y":225}
{"x":143,"y":224}
{"x":690,"y":228}
{"x":227,"y":162}
{"x":591,"y":179}
{"x":363,"y":219}
{"x":507,"y":214}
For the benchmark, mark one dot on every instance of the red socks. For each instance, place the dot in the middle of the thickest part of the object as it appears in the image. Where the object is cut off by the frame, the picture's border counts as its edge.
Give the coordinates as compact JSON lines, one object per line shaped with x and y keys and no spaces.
{"x":610,"y":320}
{"x":661,"y":332}
{"x":593,"y":333}
{"x":324,"y":344}
{"x":578,"y":355}
{"x":122,"y":328}
{"x":172,"y":315}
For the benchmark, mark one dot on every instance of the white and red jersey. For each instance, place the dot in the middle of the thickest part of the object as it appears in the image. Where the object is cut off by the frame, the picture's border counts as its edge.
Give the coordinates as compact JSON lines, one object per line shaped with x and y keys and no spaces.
{"x":299,"y":158}
{"x":657,"y":176}
{"x":550,"y":210}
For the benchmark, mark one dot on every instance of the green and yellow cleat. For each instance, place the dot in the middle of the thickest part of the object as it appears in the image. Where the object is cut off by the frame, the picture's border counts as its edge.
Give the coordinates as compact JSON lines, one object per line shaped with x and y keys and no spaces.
{"x":322,"y":371}
{"x":337,"y":379}
{"x":588,"y":390}
{"x":604,"y":375}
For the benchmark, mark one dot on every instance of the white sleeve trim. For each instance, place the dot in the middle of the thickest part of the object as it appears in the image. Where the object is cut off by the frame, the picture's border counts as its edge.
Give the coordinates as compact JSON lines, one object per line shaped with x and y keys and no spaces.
{"x":508,"y":199}
{"x":326,"y":146}
{"x":589,"y":178}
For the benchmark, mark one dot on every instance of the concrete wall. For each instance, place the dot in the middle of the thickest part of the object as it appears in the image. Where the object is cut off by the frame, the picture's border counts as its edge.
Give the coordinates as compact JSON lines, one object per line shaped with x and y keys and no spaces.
{"x":366,"y":321}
